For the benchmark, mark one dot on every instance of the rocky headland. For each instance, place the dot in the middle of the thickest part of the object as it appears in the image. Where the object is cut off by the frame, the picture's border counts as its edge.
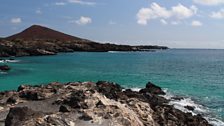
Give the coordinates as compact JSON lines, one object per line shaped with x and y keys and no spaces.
{"x":91,"y":104}
{"x":38,"y":40}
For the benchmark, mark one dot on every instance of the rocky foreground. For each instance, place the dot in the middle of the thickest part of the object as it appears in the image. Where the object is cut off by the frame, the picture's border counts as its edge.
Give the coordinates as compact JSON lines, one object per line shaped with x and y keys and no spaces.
{"x":91,"y":104}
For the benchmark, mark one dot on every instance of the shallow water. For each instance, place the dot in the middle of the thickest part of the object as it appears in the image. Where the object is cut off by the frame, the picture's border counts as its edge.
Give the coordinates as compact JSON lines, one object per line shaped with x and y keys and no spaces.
{"x":197,"y":74}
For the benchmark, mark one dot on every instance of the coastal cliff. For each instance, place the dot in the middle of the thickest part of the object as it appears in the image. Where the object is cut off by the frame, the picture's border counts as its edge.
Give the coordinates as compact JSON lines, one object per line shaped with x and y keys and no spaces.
{"x":86,"y":104}
{"x":38,"y":40}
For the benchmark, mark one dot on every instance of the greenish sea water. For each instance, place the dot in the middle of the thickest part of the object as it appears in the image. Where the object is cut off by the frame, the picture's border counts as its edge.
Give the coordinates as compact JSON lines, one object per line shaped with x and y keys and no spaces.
{"x":194,"y":74}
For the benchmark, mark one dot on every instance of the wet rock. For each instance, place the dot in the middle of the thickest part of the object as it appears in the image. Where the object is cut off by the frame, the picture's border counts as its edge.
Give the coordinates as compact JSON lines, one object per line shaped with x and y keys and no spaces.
{"x":191,"y":108}
{"x":5,"y":68}
{"x":153,"y":89}
{"x":178,"y":98}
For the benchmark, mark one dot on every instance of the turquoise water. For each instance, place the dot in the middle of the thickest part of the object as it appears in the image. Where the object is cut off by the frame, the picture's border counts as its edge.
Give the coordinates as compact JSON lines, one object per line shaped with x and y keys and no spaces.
{"x":198,"y":74}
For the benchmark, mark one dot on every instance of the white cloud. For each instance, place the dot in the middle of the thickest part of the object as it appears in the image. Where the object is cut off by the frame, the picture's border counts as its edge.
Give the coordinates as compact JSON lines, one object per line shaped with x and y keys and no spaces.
{"x":164,"y":22}
{"x":82,"y":2}
{"x":218,"y":14}
{"x":209,"y":2}
{"x":182,"y":12}
{"x":38,"y":11}
{"x":156,"y":11}
{"x":16,"y":20}
{"x":196,"y":23}
{"x":60,"y":3}
{"x":175,"y":22}
{"x":83,"y":20}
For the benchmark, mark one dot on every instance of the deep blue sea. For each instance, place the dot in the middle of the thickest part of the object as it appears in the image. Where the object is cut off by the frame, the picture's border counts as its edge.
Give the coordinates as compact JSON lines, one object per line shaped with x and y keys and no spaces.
{"x":196,"y":74}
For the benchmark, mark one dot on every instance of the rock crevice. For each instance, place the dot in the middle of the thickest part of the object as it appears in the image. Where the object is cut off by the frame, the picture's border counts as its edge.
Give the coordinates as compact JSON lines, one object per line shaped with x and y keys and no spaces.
{"x":86,"y":104}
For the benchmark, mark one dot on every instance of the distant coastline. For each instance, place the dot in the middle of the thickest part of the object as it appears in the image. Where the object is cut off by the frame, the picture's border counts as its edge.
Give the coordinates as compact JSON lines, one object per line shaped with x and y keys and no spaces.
{"x":37,"y":40}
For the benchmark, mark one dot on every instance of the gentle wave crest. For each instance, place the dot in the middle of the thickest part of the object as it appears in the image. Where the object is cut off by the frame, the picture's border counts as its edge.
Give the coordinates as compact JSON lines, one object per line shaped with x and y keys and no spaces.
{"x":9,"y":61}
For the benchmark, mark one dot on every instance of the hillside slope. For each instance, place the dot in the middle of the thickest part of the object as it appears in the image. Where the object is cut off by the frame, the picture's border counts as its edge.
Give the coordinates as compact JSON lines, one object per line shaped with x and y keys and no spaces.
{"x":38,"y":40}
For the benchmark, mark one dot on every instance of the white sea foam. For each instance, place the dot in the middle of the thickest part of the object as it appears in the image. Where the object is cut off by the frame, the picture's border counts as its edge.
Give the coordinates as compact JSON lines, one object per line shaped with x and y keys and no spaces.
{"x":12,"y":61}
{"x":112,"y":51}
{"x":186,"y":101}
{"x":214,"y":121}
{"x":9,"y":61}
{"x":119,"y":51}
{"x":199,"y":109}
{"x":136,"y":89}
{"x":3,"y":72}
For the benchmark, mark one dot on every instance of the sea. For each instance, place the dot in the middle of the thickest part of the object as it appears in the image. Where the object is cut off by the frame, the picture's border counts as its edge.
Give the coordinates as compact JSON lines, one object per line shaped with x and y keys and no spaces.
{"x":197,"y":75}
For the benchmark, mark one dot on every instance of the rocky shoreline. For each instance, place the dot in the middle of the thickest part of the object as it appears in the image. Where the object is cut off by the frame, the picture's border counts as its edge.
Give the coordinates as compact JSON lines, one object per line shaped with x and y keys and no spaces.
{"x":38,"y":40}
{"x":20,"y":47}
{"x":91,"y":104}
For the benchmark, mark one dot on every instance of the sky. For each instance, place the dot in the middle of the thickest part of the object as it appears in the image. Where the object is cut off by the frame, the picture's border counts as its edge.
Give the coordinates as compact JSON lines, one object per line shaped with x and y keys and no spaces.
{"x":172,"y":23}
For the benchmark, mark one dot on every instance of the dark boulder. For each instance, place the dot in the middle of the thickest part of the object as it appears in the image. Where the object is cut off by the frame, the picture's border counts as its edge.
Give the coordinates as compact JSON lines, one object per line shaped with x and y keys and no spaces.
{"x":21,"y":87}
{"x":32,"y":95}
{"x":153,"y":89}
{"x":100,"y":104}
{"x":64,"y":108}
{"x":110,"y":90}
{"x":133,"y":94}
{"x":76,"y":100}
{"x":5,"y":68}
{"x":178,"y":98}
{"x":20,"y":114}
{"x":191,"y":108}
{"x":11,"y":100}
{"x":85,"y":117}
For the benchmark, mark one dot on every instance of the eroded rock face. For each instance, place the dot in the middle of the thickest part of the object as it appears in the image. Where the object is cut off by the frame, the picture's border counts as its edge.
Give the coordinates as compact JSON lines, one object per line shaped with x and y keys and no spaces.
{"x":86,"y":104}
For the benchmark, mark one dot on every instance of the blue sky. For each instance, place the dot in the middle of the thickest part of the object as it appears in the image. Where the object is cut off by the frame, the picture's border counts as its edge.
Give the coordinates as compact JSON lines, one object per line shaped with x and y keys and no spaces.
{"x":174,"y":23}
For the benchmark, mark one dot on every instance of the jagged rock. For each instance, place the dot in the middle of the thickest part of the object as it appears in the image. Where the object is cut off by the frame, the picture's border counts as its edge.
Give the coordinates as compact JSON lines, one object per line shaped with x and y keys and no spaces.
{"x":21,"y":87}
{"x":85,"y":117}
{"x":191,"y":108}
{"x":32,"y":95}
{"x":11,"y":100}
{"x":153,"y":89}
{"x":103,"y":103}
{"x":110,"y":90}
{"x":100,"y":104}
{"x":18,"y":115}
{"x":76,"y":100}
{"x":177,"y":98}
{"x":64,"y":108}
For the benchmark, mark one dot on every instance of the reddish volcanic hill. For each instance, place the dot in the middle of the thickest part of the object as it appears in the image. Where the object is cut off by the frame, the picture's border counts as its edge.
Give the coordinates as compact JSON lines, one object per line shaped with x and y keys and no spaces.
{"x":40,"y":32}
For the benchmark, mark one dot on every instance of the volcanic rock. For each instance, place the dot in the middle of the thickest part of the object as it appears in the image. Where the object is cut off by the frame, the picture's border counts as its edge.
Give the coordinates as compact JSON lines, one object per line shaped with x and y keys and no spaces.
{"x":86,"y":104}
